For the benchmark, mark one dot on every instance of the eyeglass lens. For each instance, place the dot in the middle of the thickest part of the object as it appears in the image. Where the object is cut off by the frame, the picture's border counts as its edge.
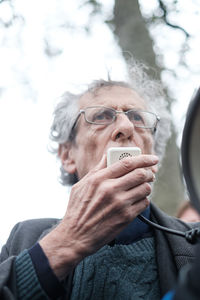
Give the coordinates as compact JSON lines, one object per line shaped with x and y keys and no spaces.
{"x":103,"y":115}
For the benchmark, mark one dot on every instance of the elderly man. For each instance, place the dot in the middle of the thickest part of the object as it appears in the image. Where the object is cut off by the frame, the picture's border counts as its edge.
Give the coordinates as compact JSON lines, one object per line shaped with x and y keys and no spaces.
{"x":100,"y":249}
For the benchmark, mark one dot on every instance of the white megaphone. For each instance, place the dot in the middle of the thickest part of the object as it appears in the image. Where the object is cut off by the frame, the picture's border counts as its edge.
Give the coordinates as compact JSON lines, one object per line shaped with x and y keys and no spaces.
{"x":190,"y":150}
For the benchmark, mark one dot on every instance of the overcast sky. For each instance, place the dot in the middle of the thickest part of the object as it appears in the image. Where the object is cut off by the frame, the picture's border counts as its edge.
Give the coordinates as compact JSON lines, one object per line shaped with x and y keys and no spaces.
{"x":31,"y":83}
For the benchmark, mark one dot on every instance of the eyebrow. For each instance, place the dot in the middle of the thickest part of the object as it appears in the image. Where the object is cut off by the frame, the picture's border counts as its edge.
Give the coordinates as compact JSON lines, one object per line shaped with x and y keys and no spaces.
{"x":130,"y":108}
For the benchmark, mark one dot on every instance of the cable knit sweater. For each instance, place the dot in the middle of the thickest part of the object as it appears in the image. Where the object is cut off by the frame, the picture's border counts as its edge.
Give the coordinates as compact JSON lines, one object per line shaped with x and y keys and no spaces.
{"x":16,"y":269}
{"x":119,"y":272}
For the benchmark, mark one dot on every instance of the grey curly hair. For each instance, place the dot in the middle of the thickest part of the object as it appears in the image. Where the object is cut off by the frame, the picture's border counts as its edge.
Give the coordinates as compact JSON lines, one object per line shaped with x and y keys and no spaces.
{"x":150,"y":90}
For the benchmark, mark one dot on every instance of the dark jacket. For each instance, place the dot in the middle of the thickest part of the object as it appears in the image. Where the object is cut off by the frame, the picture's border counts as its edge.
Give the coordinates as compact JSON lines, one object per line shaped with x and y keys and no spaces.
{"x":172,"y":251}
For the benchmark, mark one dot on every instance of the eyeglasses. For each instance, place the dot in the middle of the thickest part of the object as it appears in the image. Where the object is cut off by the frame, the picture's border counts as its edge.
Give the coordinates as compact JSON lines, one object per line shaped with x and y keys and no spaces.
{"x":101,"y":115}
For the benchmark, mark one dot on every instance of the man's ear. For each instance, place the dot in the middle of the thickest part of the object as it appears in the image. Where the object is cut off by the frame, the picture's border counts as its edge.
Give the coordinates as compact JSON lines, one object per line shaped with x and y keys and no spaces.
{"x":65,"y":152}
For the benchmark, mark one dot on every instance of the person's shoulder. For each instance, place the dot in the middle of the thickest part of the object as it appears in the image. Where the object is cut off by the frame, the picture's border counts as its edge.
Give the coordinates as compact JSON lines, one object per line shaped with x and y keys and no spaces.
{"x":26,"y":233}
{"x":170,"y":221}
{"x":34,"y":227}
{"x":36,"y":224}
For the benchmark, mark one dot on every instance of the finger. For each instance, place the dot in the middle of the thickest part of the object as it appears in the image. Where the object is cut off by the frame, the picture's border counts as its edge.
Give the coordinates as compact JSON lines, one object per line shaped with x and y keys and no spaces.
{"x":154,"y":169}
{"x":139,"y":207}
{"x":136,"y":194}
{"x":129,"y":164}
{"x":132,"y":211}
{"x":134,"y":178}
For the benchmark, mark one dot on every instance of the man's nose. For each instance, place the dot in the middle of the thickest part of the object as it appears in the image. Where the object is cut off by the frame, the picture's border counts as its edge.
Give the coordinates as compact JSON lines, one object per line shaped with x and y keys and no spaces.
{"x":124,"y":128}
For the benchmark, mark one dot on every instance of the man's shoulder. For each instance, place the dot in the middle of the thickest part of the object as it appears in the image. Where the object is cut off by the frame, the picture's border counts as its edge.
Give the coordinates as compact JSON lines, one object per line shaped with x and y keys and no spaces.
{"x":36,"y":224}
{"x":180,"y":246}
{"x":164,"y":219}
{"x":25,"y":234}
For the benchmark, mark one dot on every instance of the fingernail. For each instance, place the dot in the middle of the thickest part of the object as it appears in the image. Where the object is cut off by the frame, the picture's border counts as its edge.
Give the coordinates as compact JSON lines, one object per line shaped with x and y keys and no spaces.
{"x":155,"y":159}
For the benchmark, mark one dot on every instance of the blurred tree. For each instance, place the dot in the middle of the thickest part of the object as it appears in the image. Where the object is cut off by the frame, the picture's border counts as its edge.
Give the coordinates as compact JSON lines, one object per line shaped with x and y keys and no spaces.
{"x":133,"y":37}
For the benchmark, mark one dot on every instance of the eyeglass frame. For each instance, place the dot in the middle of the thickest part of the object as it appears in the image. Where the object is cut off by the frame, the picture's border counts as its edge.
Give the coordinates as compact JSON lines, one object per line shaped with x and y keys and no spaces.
{"x":82,"y":111}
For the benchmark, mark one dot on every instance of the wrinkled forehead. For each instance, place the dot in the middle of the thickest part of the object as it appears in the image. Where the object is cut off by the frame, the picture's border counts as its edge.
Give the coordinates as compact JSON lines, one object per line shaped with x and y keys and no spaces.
{"x":115,"y":96}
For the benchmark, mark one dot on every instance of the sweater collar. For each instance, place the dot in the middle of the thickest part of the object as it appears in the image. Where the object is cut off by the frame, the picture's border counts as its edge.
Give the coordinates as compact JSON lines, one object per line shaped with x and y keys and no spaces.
{"x":135,"y":231}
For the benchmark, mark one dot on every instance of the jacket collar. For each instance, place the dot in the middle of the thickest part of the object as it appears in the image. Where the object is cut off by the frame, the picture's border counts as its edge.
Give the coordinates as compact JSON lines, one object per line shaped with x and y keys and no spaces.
{"x":172,"y":252}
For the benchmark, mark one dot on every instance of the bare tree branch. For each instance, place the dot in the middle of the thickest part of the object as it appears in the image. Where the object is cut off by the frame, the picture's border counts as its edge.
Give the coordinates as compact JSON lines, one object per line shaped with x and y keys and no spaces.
{"x":165,"y":18}
{"x":96,"y":6}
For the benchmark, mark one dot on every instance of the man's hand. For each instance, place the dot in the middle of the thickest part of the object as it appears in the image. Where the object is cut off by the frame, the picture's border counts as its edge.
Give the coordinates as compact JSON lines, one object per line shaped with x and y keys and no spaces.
{"x":101,"y":205}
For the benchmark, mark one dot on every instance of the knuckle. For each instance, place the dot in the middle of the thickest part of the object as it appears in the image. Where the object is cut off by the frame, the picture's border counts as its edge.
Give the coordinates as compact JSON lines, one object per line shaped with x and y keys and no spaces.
{"x":146,"y":160}
{"x":93,"y":180}
{"x":144,"y":203}
{"x":118,"y":204}
{"x":141,"y":173}
{"x":127,"y":164}
{"x":74,"y":188}
{"x":106,"y":190}
{"x":127,"y":214}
